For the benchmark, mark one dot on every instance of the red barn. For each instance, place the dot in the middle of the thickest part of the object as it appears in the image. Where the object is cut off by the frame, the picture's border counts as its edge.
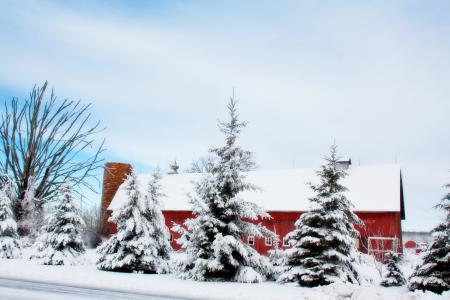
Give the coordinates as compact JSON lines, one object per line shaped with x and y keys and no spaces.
{"x":375,"y":191}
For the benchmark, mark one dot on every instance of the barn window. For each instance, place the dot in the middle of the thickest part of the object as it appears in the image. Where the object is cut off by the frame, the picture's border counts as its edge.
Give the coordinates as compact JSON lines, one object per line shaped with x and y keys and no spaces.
{"x":378,"y":246}
{"x":251,"y":240}
{"x":285,"y":242}
{"x":268,"y":241}
{"x":171,"y":238}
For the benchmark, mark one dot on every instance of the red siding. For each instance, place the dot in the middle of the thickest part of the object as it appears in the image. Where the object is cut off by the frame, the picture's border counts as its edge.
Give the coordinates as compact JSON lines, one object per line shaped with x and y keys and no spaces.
{"x":177,"y":217}
{"x":381,"y":224}
{"x":378,"y":224}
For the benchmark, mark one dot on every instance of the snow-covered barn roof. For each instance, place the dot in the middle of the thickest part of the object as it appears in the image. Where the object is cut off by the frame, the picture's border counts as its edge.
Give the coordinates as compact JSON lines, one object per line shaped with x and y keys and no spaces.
{"x":374,"y":188}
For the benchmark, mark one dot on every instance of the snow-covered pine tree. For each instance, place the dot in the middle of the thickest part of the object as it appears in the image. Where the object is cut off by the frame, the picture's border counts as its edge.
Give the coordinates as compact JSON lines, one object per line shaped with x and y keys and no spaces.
{"x":324,"y":238}
{"x":158,"y":251}
{"x":60,"y":241}
{"x":8,"y":185}
{"x":393,"y":275}
{"x":277,"y":258}
{"x":139,"y":239}
{"x":9,"y":243}
{"x":33,"y":211}
{"x":434,"y":272}
{"x":213,"y":238}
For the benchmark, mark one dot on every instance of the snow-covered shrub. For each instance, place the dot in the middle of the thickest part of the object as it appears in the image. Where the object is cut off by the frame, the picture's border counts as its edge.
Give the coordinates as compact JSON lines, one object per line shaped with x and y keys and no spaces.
{"x":366,"y":266}
{"x":278,"y":260}
{"x":324,"y":239}
{"x":9,"y":239}
{"x":248,"y":275}
{"x":141,"y":243}
{"x":60,"y":241}
{"x":434,"y":272}
{"x":213,"y":238}
{"x":393,"y":276}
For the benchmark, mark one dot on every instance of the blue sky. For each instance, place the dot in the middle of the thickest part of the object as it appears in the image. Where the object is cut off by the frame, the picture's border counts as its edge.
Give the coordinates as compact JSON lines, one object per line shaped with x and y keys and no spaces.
{"x":372,"y":75}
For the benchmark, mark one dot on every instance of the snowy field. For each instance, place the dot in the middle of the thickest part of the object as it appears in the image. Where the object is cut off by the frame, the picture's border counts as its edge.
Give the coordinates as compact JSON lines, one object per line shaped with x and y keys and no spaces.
{"x":168,"y":285}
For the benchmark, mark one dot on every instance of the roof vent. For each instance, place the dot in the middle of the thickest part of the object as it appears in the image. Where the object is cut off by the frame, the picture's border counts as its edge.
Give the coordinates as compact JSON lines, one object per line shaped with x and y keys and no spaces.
{"x":344,"y":164}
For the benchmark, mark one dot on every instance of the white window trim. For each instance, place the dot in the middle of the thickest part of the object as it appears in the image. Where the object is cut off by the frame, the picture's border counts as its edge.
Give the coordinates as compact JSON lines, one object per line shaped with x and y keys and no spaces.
{"x":372,"y":251}
{"x":286,"y":242}
{"x":268,"y":241}
{"x":251,"y":240}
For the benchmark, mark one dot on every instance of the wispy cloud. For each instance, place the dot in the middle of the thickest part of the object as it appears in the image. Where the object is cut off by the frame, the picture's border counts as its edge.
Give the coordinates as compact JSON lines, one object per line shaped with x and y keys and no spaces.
{"x":371,"y":75}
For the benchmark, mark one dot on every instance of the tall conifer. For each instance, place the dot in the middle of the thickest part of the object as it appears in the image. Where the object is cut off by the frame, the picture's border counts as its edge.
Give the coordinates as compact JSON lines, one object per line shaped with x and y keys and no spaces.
{"x":434,"y":272}
{"x":60,"y":241}
{"x":214,"y":238}
{"x":141,"y":242}
{"x":9,"y":244}
{"x":324,"y":238}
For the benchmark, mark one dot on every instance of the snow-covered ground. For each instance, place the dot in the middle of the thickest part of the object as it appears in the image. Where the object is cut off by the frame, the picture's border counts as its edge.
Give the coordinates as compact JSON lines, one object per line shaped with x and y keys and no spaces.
{"x":11,"y":289}
{"x":168,"y":285}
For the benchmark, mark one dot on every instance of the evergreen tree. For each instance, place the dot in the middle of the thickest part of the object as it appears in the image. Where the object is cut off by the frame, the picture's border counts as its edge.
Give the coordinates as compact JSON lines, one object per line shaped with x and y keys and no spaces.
{"x":141,"y":241}
{"x":32,"y":214}
{"x":213,"y":238}
{"x":277,"y":258}
{"x":324,"y":238}
{"x":9,"y":245}
{"x":8,"y":185}
{"x":434,"y":272}
{"x":393,"y":275}
{"x":158,"y":251}
{"x":60,"y":242}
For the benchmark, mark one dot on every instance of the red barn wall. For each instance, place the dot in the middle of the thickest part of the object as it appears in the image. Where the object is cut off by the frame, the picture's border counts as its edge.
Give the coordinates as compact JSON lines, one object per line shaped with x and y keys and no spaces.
{"x":377,"y":224}
{"x":381,"y":224}
{"x":177,"y":217}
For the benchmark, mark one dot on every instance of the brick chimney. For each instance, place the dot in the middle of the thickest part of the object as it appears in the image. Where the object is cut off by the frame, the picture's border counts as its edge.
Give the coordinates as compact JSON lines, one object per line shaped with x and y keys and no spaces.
{"x":114,"y":174}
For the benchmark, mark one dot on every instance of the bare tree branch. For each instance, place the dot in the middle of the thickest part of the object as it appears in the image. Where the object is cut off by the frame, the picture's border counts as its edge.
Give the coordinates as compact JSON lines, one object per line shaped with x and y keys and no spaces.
{"x":50,"y":141}
{"x":205,"y":164}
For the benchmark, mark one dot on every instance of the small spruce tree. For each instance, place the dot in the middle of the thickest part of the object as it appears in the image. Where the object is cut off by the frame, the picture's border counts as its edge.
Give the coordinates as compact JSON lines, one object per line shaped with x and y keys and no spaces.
{"x":434,"y":272}
{"x":141,"y":242}
{"x":32,"y":215}
{"x":158,"y":253}
{"x":213,"y":238}
{"x":60,"y":241}
{"x":393,"y":275}
{"x":9,"y":244}
{"x":324,"y":238}
{"x":8,"y":185}
{"x":277,"y":258}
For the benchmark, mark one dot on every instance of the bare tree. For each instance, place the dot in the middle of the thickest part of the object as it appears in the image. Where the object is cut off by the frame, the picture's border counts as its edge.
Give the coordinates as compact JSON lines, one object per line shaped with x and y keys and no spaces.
{"x":48,"y":142}
{"x":205,"y":164}
{"x":92,"y":232}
